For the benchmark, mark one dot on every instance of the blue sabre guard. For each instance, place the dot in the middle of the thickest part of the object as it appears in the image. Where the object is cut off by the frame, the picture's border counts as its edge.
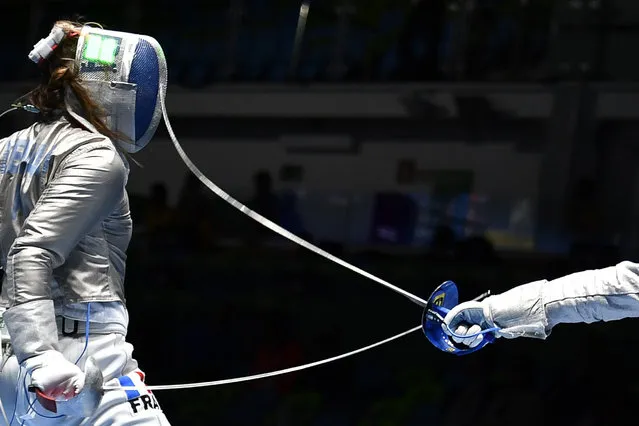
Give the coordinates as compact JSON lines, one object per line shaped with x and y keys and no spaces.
{"x":440,"y":302}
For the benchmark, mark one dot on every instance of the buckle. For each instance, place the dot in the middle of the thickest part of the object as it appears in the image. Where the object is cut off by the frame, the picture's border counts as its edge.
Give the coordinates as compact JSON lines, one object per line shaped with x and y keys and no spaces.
{"x":64,"y":327}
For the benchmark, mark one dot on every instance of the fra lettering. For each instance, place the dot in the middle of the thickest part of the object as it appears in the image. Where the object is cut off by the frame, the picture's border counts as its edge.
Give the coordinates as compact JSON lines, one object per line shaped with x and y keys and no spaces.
{"x":144,"y":402}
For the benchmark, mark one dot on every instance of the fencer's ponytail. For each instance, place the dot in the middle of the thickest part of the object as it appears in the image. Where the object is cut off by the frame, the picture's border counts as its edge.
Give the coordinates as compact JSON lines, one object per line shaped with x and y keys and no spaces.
{"x":59,"y":73}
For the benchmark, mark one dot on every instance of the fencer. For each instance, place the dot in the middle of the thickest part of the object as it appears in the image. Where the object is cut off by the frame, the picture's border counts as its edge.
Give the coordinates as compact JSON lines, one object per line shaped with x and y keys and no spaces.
{"x":533,"y":309}
{"x":65,"y":226}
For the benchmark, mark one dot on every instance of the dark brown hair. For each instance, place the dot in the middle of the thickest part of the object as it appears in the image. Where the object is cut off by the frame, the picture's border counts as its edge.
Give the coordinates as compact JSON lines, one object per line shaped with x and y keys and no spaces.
{"x":60,"y":71}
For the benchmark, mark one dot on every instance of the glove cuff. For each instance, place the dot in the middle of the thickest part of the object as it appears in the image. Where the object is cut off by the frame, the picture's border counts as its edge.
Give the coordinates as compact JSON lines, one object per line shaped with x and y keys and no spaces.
{"x":32,"y":328}
{"x":43,"y":359}
{"x":519,"y":312}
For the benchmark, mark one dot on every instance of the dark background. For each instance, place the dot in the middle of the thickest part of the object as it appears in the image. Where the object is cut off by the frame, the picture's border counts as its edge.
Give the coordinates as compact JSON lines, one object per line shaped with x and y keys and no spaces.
{"x":212,"y":295}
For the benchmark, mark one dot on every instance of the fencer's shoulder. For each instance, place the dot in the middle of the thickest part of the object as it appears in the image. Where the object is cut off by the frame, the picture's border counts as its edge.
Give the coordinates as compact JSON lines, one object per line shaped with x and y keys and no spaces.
{"x":77,"y":143}
{"x":68,"y":134}
{"x":99,"y":155}
{"x":95,"y":165}
{"x":93,"y":153}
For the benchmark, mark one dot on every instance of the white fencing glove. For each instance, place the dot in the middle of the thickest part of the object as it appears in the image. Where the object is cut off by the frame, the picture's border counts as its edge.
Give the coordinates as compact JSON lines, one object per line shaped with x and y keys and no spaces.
{"x":54,"y":375}
{"x":467,"y":319}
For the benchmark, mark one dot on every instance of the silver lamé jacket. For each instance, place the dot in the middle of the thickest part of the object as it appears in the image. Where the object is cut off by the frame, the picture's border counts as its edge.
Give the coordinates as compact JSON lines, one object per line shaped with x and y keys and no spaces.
{"x":65,"y":227}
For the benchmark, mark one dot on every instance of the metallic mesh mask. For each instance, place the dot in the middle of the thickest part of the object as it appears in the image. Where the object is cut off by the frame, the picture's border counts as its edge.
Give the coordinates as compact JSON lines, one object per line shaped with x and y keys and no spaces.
{"x":126,"y":74}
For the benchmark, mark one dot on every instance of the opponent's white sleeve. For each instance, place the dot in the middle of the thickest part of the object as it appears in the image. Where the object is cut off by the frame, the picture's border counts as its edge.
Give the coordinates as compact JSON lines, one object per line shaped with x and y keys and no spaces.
{"x":533,"y":309}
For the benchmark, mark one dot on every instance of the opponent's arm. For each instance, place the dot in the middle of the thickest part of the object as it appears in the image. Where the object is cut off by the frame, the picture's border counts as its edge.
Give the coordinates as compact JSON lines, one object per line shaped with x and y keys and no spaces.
{"x":83,"y":190}
{"x":533,"y":309}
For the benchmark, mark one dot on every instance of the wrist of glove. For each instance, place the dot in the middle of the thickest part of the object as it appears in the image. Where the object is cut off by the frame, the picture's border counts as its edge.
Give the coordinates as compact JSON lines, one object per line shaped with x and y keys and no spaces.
{"x":54,"y":375}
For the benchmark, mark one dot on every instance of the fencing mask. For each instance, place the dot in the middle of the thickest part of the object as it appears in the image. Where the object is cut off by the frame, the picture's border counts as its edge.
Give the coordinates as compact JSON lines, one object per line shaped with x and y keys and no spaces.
{"x":126,"y":74}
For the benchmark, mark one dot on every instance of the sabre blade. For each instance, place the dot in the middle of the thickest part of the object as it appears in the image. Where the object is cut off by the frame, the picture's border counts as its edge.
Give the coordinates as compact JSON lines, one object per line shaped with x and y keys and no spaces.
{"x":272,"y":373}
{"x":273,"y":226}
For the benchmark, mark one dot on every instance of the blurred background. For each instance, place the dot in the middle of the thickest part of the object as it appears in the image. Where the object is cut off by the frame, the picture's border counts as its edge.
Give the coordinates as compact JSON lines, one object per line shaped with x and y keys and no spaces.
{"x":488,"y":142}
